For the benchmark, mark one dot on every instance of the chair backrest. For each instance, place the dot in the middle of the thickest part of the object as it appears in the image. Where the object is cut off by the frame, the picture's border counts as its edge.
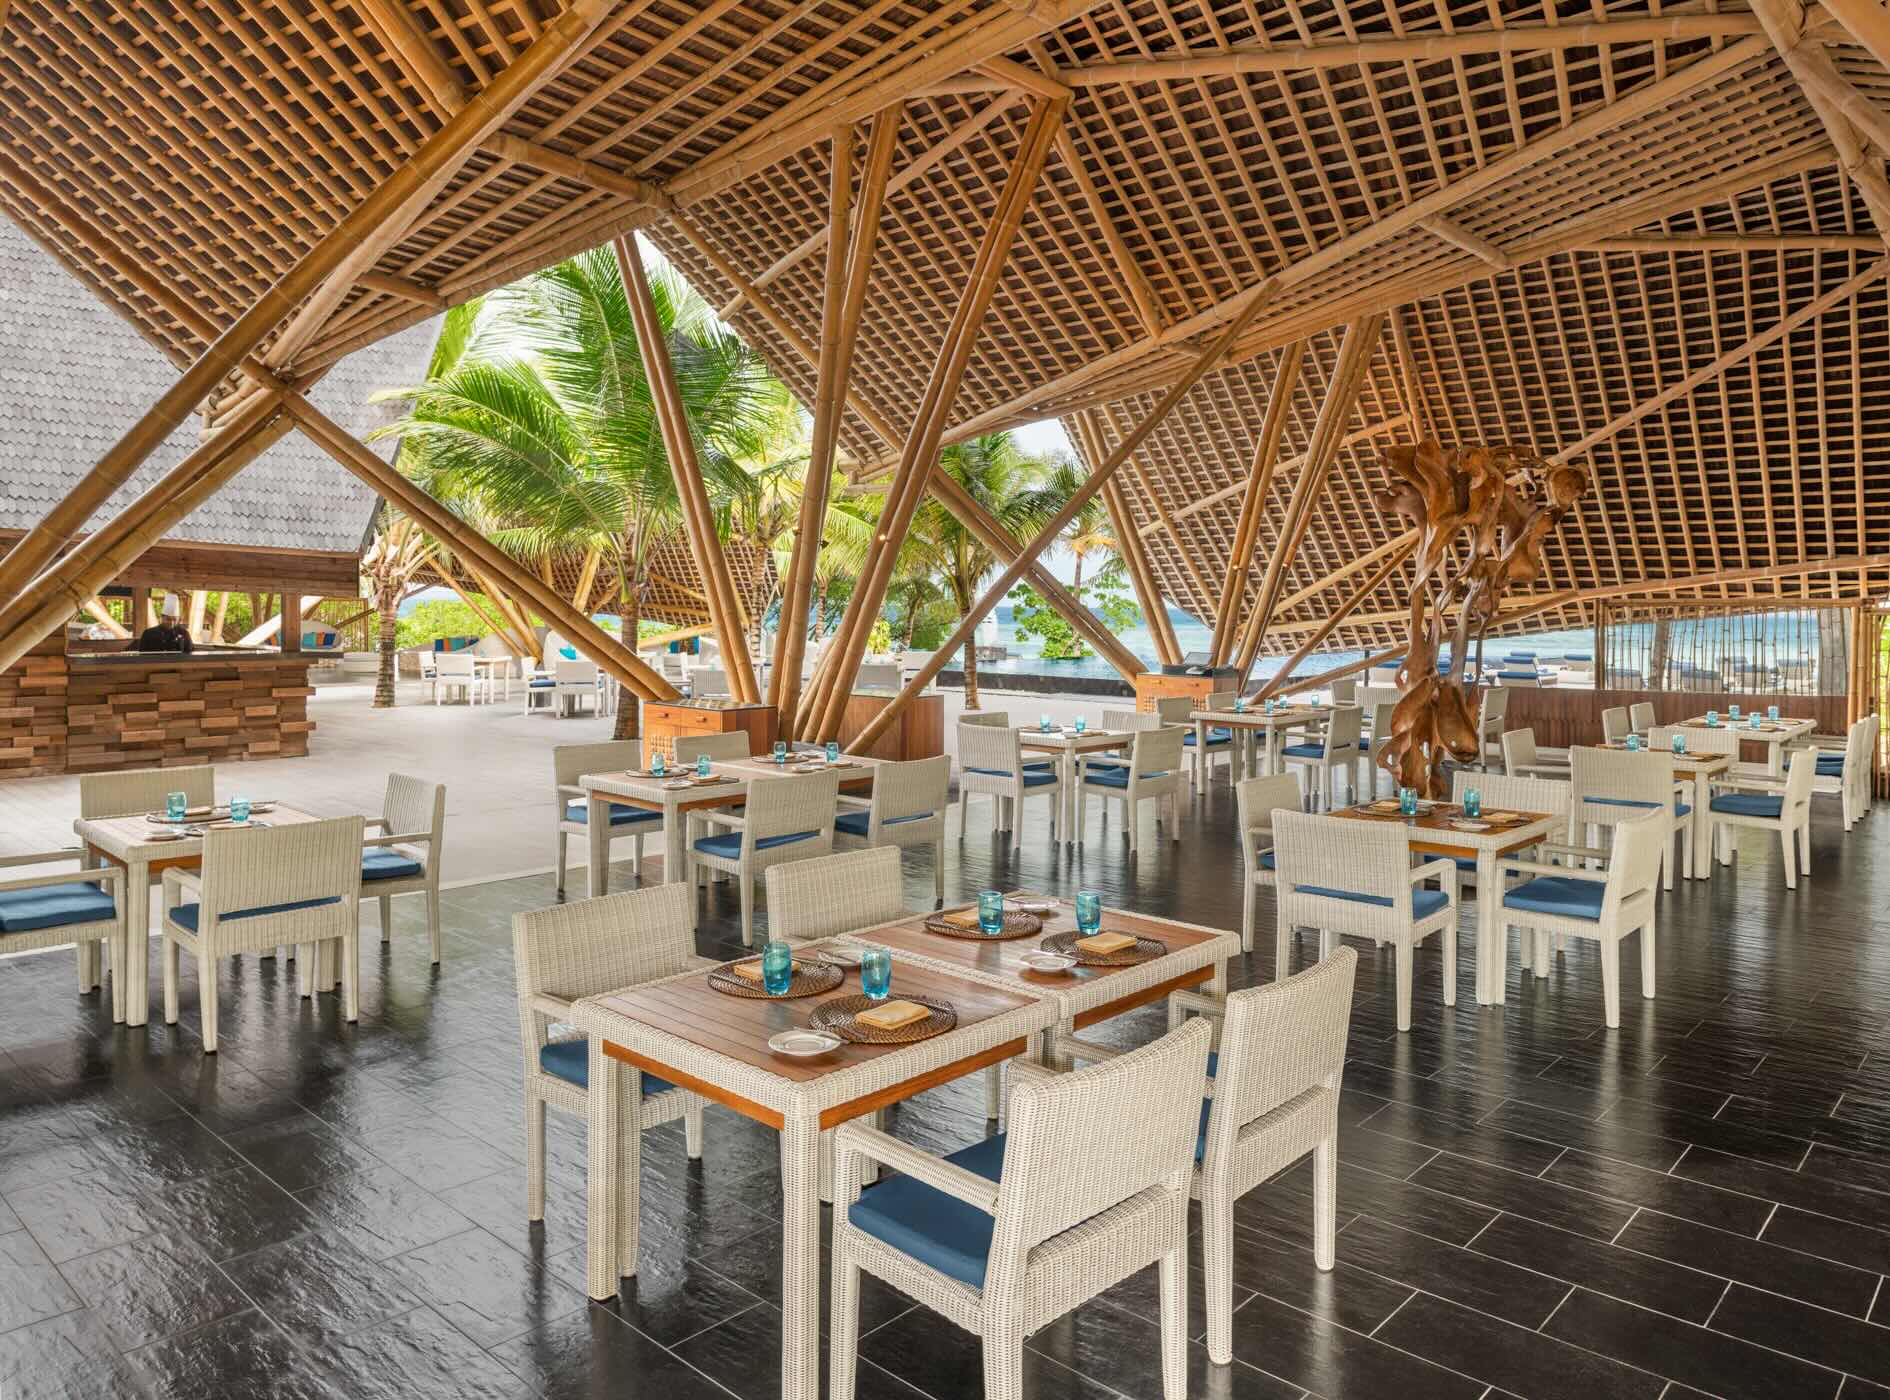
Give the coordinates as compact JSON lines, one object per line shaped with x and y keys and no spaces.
{"x":1257,"y":799}
{"x":281,"y":865}
{"x":1634,"y":861}
{"x":1221,"y":700}
{"x":708,"y":680}
{"x":719,"y":747}
{"x":579,"y":673}
{"x":790,"y":804}
{"x":826,"y":895}
{"x":1277,"y":1042}
{"x":453,"y":665}
{"x":1518,"y":680}
{"x":1342,"y":729}
{"x":1134,"y":721}
{"x":429,"y":663}
{"x":1343,"y":853}
{"x":1080,"y":1143}
{"x":986,"y":746}
{"x":1798,"y":775}
{"x":877,"y":676}
{"x":1169,"y":709}
{"x":414,"y":806}
{"x":569,"y":762}
{"x":1385,"y":675}
{"x":1381,"y":719}
{"x":1699,"y":738}
{"x":592,"y":946}
{"x":1857,"y":749}
{"x":1495,"y":707}
{"x":1641,"y":716}
{"x":991,"y":719}
{"x":1514,"y":793}
{"x":913,"y":789}
{"x":1519,"y":749}
{"x":140,"y":790}
{"x":1646,"y":776}
{"x":1156,"y":751}
{"x":1615,"y":724}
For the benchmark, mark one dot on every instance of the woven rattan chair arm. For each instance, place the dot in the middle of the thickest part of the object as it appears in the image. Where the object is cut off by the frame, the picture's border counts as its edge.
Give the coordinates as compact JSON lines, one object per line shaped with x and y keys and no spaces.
{"x":1198,"y":1002}
{"x":935,"y":1172}
{"x":181,"y":880}
{"x":1029,"y":1071}
{"x":1750,"y":784}
{"x":411,"y":838}
{"x":374,"y":823}
{"x":43,"y":857}
{"x":1440,"y":869}
{"x":1564,"y":848}
{"x":556,"y":1007}
{"x":1541,"y":770}
{"x":1079,"y":1049}
{"x":100,"y":875}
{"x":1560,"y":872}
{"x":858,"y":804}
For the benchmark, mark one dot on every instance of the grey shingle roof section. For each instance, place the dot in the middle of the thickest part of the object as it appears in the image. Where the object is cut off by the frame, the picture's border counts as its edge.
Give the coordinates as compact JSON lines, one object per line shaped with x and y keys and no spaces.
{"x":74,"y":376}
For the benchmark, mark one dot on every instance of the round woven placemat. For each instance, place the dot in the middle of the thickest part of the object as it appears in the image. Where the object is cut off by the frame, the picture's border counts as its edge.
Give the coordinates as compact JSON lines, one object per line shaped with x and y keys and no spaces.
{"x":1144,"y":949}
{"x":839,"y":1016}
{"x":810,"y":979}
{"x":1017,"y":924}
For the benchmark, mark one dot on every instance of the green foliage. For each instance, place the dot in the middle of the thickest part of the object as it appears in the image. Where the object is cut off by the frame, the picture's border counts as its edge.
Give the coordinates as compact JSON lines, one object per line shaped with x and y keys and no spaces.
{"x":879,"y":640}
{"x":436,"y":618}
{"x":1034,"y":617}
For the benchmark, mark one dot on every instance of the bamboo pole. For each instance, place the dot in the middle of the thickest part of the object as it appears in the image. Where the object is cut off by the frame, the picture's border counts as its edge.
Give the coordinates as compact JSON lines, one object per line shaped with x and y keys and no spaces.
{"x":587,"y":579}
{"x":222,"y":614}
{"x":1345,"y":571}
{"x":1407,"y":375}
{"x":499,"y":620}
{"x":515,"y":617}
{"x":1048,"y":535}
{"x":95,"y":607}
{"x":1148,"y":593}
{"x":1286,"y":466}
{"x":1266,"y":451}
{"x":698,"y":517}
{"x":1867,"y":22}
{"x":1736,"y":243}
{"x":821,"y":713}
{"x":194,"y":616}
{"x":1338,"y":615}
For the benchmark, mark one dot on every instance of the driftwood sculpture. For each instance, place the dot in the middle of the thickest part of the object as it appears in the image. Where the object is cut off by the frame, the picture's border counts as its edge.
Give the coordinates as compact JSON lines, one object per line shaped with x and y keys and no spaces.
{"x":1482,"y":514}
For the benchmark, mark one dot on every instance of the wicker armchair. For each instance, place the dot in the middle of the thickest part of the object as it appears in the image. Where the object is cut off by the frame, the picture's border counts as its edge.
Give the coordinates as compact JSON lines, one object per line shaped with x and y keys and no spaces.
{"x":575,"y":681}
{"x":127,"y":794}
{"x":1512,"y":792}
{"x":1491,"y":719}
{"x":1843,"y":767}
{"x":1337,"y":752}
{"x":1255,"y":802}
{"x":1610,"y":780}
{"x":581,"y":949}
{"x":687,"y":748}
{"x":907,"y":809}
{"x":405,"y":857}
{"x":1340,"y":875}
{"x":1152,"y":774}
{"x":1221,"y":741}
{"x":51,"y":909}
{"x":1770,"y":804}
{"x":1522,"y":759}
{"x":1089,"y":1185}
{"x":296,"y":885}
{"x":784,"y":819}
{"x":570,"y":762}
{"x":1605,"y":905}
{"x":991,"y":764}
{"x":829,"y":895}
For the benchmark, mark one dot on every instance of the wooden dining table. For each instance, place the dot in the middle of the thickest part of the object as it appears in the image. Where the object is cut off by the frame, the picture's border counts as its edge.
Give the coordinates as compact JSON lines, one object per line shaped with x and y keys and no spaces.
{"x":1257,"y":734}
{"x":1776,"y":735}
{"x":716,"y":1045}
{"x":1070,"y":749}
{"x":129,"y":842}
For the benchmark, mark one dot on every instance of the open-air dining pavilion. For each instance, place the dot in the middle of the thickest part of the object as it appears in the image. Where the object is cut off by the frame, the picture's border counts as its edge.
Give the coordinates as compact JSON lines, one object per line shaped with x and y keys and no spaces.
{"x":1462,"y":975}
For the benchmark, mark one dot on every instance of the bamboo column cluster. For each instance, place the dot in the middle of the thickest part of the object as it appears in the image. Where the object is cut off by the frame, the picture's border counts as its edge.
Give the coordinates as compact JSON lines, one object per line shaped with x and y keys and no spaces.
{"x":1266,"y":452}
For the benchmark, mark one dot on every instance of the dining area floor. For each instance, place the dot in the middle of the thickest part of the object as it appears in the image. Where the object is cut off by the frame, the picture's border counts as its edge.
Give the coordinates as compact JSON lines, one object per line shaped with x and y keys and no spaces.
{"x":1529,"y":1204}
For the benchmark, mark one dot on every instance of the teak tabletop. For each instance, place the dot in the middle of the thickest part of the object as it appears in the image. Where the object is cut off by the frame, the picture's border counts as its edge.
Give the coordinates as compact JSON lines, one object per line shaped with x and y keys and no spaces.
{"x":1441,"y":838}
{"x":120,"y":839}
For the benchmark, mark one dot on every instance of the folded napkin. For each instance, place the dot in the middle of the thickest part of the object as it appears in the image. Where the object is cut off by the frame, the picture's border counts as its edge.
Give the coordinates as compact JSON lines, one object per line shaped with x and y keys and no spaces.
{"x":750,"y":969}
{"x":893,"y":1015}
{"x":1105,"y":943}
{"x":961,"y":918}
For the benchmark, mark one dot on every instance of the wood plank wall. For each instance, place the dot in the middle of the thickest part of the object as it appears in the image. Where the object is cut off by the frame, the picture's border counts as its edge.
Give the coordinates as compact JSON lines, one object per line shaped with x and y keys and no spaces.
{"x":1564,"y":717}
{"x":33,"y":712}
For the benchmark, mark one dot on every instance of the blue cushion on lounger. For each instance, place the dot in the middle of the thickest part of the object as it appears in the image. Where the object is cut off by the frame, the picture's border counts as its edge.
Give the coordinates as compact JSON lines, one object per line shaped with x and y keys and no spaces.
{"x":382,"y":863}
{"x":950,"y":1235}
{"x":570,"y":1060}
{"x":1032,"y":778}
{"x":1555,"y":894}
{"x":50,"y":906}
{"x":1311,"y":750}
{"x":729,"y":844}
{"x":1424,"y":903}
{"x":543,"y":683}
{"x":578,"y":810}
{"x":1516,"y":675}
{"x":855,"y":823}
{"x":1749,"y":804}
{"x":1216,"y":737}
{"x":1577,"y":656}
{"x":185,"y":915}
{"x":1680,"y":809}
{"x":1519,"y":656}
{"x":1117,"y":777}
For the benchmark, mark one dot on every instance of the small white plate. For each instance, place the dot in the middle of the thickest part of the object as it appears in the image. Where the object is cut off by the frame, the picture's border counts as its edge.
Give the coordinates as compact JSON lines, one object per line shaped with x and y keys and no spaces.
{"x":677,"y":784}
{"x":843,"y":955}
{"x":1465,"y":824}
{"x":1033,"y":906}
{"x":802,"y":1044}
{"x":1038,"y":960}
{"x":167,"y":833}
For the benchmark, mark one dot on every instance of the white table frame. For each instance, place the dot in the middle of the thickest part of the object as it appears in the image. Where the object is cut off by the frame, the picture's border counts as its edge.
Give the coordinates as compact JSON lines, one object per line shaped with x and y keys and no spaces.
{"x":1070,"y":749}
{"x":1248,"y":725}
{"x":1789,"y":732}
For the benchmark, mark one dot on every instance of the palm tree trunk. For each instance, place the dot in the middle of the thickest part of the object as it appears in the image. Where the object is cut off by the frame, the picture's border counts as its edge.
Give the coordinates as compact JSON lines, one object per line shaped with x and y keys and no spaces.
{"x":971,"y":673}
{"x":389,"y":602}
{"x":629,"y":708}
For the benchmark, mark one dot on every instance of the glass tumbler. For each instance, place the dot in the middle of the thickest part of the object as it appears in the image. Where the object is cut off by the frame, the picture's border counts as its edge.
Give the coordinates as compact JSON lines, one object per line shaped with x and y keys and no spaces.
{"x":777,"y":968}
{"x":1407,"y":801}
{"x":239,"y":810}
{"x":175,"y":806}
{"x":876,"y":972}
{"x":1473,"y":802}
{"x":780,"y":751}
{"x":1088,"y":912}
{"x":991,"y":911}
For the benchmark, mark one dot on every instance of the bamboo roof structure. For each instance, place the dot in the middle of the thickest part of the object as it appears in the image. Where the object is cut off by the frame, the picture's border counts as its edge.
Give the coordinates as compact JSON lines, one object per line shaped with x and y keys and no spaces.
{"x":1647,"y":236}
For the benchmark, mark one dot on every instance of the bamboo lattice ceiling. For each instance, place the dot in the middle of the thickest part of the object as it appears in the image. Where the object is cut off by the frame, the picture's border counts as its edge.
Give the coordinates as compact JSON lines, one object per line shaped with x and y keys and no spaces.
{"x":1539,"y":205}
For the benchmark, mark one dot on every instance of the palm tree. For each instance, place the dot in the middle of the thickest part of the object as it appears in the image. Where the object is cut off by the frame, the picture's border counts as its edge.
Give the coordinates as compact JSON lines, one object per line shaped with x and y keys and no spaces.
{"x":400,"y":550}
{"x":1020,"y":490}
{"x":1090,"y":534}
{"x":545,"y":428}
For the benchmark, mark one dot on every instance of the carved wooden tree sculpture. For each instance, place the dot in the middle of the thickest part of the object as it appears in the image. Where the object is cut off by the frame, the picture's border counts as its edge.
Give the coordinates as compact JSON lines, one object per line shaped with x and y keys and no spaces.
{"x":1482,"y":514}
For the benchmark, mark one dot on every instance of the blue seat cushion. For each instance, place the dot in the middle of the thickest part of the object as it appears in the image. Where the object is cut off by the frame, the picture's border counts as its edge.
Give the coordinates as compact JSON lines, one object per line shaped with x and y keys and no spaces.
{"x":50,"y":906}
{"x":930,"y":1226}
{"x":1032,"y":777}
{"x":729,"y":844}
{"x":578,"y":810}
{"x":1266,"y":861}
{"x":1216,"y":737}
{"x":1831,"y":766}
{"x":1114,"y":777}
{"x":1424,"y":903}
{"x":381,"y":863}
{"x":1516,"y":675}
{"x":1749,"y":804}
{"x":855,"y":823}
{"x":1040,"y":765}
{"x":543,"y":683}
{"x":1311,"y":750}
{"x":1680,"y":809}
{"x":185,"y":915}
{"x":570,"y":1060}
{"x":1465,"y":863}
{"x":1556,"y":894}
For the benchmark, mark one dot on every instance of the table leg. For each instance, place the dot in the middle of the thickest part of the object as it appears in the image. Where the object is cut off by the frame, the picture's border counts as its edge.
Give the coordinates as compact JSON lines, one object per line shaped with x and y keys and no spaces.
{"x":800,"y":1259}
{"x":675,"y":846}
{"x":614,"y":1145}
{"x":597,"y":837}
{"x":1492,"y":937}
{"x":1702,"y":836}
{"x":1200,"y":757}
{"x":134,"y":969}
{"x":1070,"y":773}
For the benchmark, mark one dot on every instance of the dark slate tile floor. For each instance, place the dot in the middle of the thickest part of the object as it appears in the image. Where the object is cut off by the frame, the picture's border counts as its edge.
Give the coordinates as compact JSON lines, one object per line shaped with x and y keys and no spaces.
{"x":1530,"y":1205}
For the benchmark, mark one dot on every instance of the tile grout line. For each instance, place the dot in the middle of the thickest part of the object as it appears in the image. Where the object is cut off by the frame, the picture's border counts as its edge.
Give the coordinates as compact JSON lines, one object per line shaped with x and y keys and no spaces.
{"x":1716,"y":1306}
{"x":1540,"y":1326}
{"x":1394,"y":1312}
{"x":1624,"y":1226}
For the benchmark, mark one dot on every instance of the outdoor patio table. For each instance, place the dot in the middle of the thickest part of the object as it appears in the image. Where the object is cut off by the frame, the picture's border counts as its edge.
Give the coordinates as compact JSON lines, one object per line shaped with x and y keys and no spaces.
{"x":683,"y":1031}
{"x":127,"y":842}
{"x":1432,"y":835}
{"x":1252,"y":724}
{"x":493,"y":669}
{"x":1700,"y":769}
{"x":1774,"y":734}
{"x":1069,"y":747}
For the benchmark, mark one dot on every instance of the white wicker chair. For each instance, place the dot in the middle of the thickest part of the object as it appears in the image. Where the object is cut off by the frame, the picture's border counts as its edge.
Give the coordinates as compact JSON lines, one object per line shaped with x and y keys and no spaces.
{"x":685,"y":749}
{"x":784,"y":819}
{"x":587,"y":948}
{"x":707,"y":680}
{"x":1509,"y":792}
{"x":1641,"y":717}
{"x":454,"y":670}
{"x":576,"y":681}
{"x":1522,"y":759}
{"x":1152,"y":774}
{"x":297,"y":885}
{"x":991,"y":719}
{"x":1255,"y":802}
{"x":1844,"y":773}
{"x":1616,"y":724}
{"x":834,"y":894}
{"x":1615,"y":784}
{"x":1089,"y":1185}
{"x":991,"y":764}
{"x":1171,"y":709}
{"x":1605,"y":905}
{"x":1337,"y":752}
{"x":128,"y":794}
{"x":405,"y":857}
{"x":907,"y":809}
{"x":570,"y":762}
{"x":1220,"y":741}
{"x":49,"y":910}
{"x":1342,"y":875}
{"x":1770,"y":804}
{"x":1374,"y":742}
{"x":1491,"y":718}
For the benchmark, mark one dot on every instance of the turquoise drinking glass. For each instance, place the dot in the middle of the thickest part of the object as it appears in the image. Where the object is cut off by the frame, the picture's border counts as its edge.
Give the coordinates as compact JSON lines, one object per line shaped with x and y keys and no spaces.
{"x":1081,"y":724}
{"x":1634,"y":743}
{"x":1407,"y":801}
{"x":1771,"y":712}
{"x":991,"y":911}
{"x":175,"y":805}
{"x":658,"y":764}
{"x":1679,"y":743}
{"x":780,"y":751}
{"x":1043,"y":724}
{"x":1734,"y":712}
{"x":777,"y":968}
{"x":239,"y":810}
{"x":1473,"y":802}
{"x":702,"y":765}
{"x":876,"y":972}
{"x":1270,"y":705}
{"x":1088,"y":912}
{"x":833,"y":751}
{"x":1240,"y":704}
{"x":1753,"y":723}
{"x":1712,"y":717}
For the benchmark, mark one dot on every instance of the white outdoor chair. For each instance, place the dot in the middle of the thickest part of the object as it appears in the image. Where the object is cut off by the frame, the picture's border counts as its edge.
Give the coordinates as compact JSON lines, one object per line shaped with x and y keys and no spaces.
{"x":707,"y":681}
{"x":1384,"y":675}
{"x":1491,"y":719}
{"x":296,"y":885}
{"x":1770,"y":804}
{"x":426,"y":661}
{"x":1641,"y":716}
{"x":907,"y":808}
{"x":784,"y":819}
{"x":1344,"y":876}
{"x":991,"y":764}
{"x":1337,"y":752}
{"x":1605,"y":905}
{"x":1373,"y":743}
{"x":1152,"y":774}
{"x":454,"y":671}
{"x":991,"y":719}
{"x":132,"y":793}
{"x":1522,"y":759}
{"x":1843,"y":770}
{"x":1345,"y":692}
{"x":541,"y":691}
{"x":685,"y":749}
{"x":1616,"y":724}
{"x":587,"y":948}
{"x":1089,"y":1185}
{"x":569,"y":762}
{"x":576,"y":683}
{"x":1220,"y":739}
{"x":1131,"y":722}
{"x":404,"y":858}
{"x":1172,"y":709}
{"x":49,"y":910}
{"x":1509,"y":792}
{"x":834,"y":894}
{"x":1613,"y":785}
{"x":1255,"y":802}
